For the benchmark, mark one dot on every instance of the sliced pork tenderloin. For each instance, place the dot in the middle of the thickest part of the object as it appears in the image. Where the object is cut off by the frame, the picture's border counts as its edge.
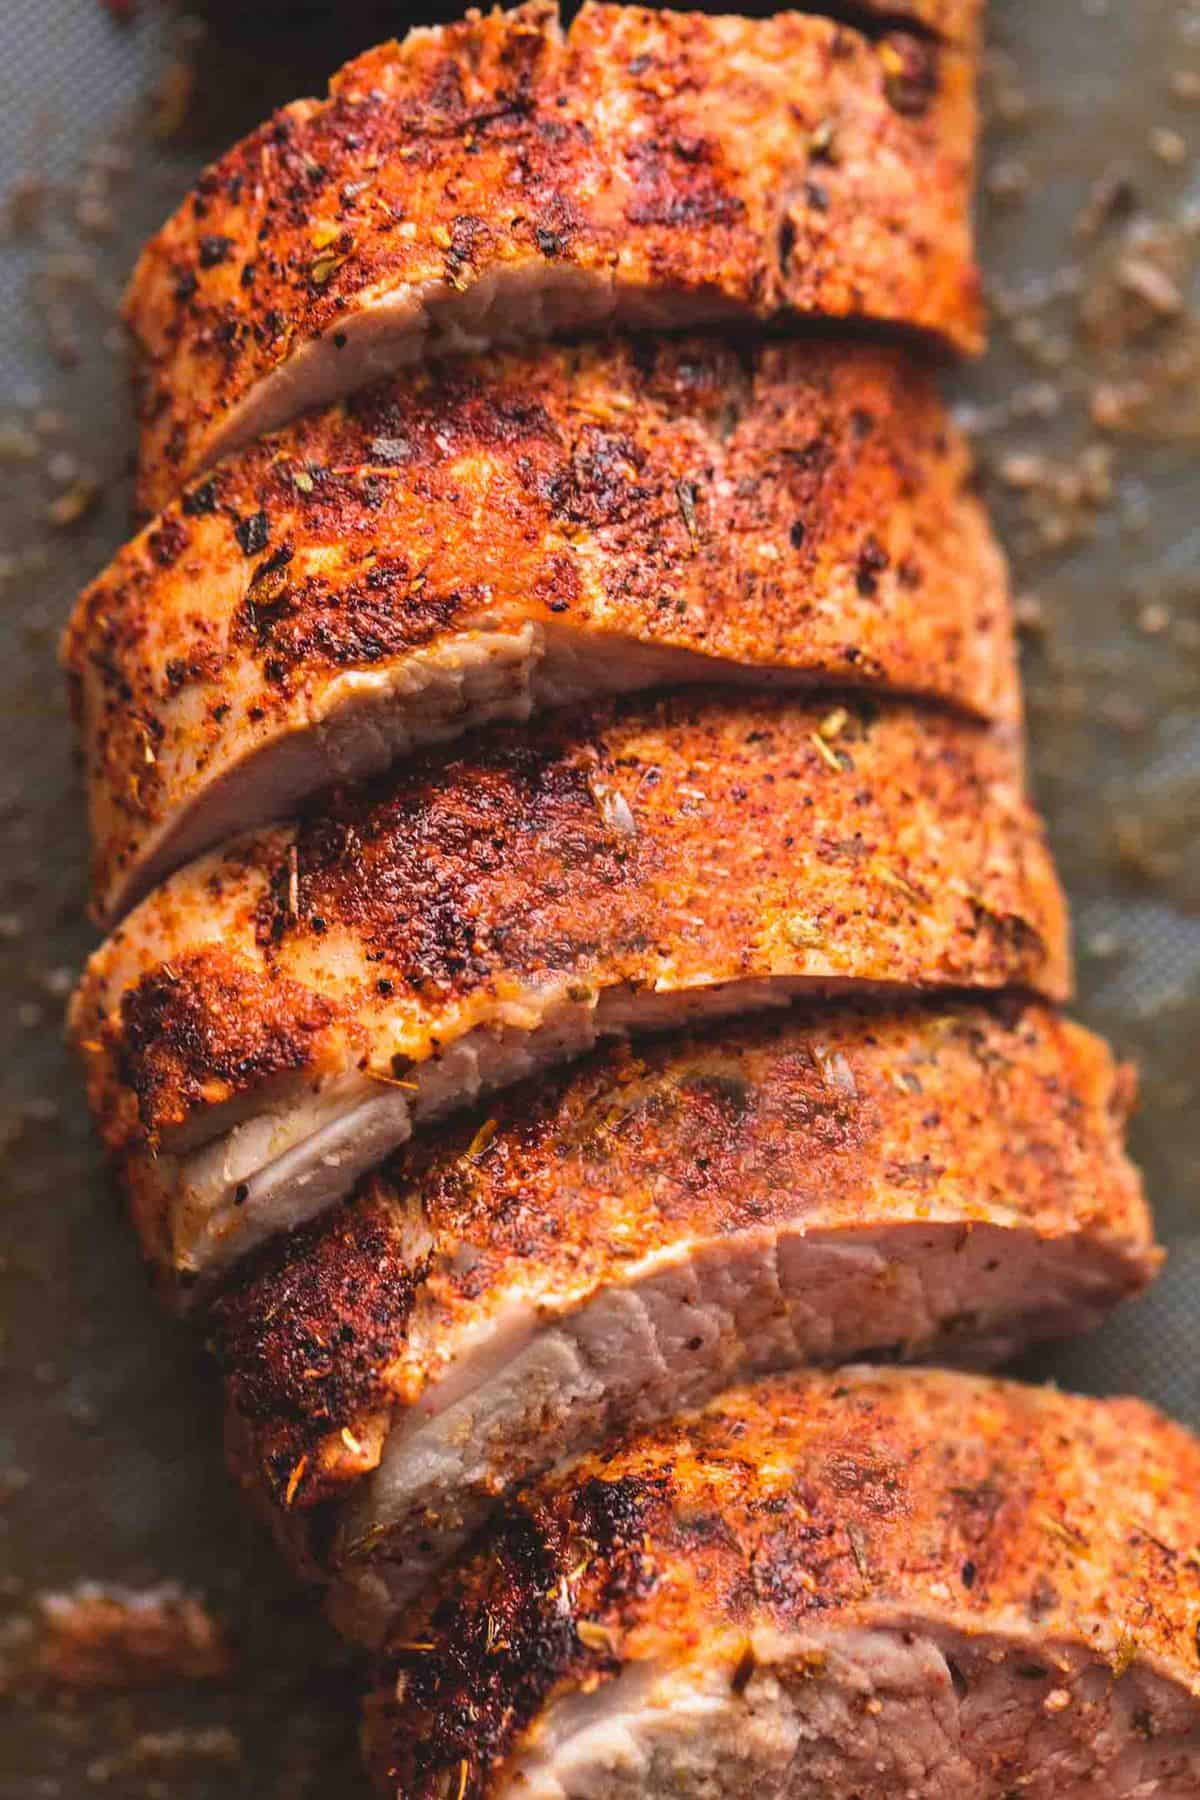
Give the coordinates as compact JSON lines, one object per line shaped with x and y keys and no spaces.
{"x":857,"y":1585}
{"x":269,"y":1022}
{"x":499,"y":179}
{"x":650,"y":1227}
{"x":483,"y":538}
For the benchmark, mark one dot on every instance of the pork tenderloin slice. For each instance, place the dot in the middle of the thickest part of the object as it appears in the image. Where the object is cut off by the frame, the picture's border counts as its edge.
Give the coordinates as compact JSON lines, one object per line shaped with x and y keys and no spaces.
{"x":650,"y":1227}
{"x":482,"y":538}
{"x":268,"y":1024}
{"x":499,"y":179}
{"x":860,"y":1584}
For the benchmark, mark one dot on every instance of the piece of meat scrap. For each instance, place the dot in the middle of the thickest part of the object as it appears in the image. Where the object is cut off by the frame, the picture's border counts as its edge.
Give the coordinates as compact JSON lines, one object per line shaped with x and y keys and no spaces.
{"x":270,"y":1022}
{"x":857,"y":1585}
{"x":942,"y":1180}
{"x":500,"y":179}
{"x":479,"y":539}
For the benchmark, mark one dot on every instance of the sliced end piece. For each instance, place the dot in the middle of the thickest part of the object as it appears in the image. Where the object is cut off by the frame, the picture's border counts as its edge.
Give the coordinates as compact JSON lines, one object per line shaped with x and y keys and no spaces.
{"x":859,"y":1584}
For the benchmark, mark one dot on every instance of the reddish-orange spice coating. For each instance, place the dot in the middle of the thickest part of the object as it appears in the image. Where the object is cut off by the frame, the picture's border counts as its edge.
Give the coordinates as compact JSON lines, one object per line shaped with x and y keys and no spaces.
{"x":665,"y":846}
{"x":1062,"y":1531}
{"x":849,"y":1118}
{"x":498,"y":178}
{"x":642,"y":512}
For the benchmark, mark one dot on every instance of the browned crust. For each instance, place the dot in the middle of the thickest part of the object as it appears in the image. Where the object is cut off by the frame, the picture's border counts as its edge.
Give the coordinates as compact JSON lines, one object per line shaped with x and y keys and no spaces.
{"x":671,"y":843}
{"x":725,"y":166}
{"x":801,"y":509}
{"x":844,"y":1116}
{"x":808,"y":1502}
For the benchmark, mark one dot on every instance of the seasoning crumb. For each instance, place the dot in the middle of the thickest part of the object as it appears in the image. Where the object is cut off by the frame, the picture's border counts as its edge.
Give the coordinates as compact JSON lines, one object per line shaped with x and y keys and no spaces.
{"x":95,"y":1636}
{"x":1169,"y":146}
{"x":1146,"y":281}
{"x":74,"y":504}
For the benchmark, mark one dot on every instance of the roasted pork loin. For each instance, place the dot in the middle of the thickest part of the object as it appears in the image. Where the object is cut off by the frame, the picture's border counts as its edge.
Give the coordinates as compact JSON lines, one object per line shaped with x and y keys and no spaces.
{"x":597,"y":1250}
{"x":483,"y":538}
{"x":856,"y":1585}
{"x":499,"y":179}
{"x":269,"y":1022}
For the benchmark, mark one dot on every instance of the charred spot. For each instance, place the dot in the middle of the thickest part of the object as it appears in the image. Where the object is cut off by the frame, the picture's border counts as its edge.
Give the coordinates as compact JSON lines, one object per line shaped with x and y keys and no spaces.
{"x":176,"y":445}
{"x":732,"y":1093}
{"x":253,"y":532}
{"x":601,"y":486}
{"x":306,"y":1330}
{"x":168,"y":540}
{"x":787,"y":243}
{"x":614,"y":1514}
{"x":1012,"y":936}
{"x":910,"y":73}
{"x":810,"y":460}
{"x":681,"y":183}
{"x":910,"y":574}
{"x":267,"y":597}
{"x":469,"y":238}
{"x":210,"y":1021}
{"x":500,"y":1645}
{"x":459,"y":863}
{"x":873,"y":559}
{"x":213,"y":250}
{"x":185,"y":286}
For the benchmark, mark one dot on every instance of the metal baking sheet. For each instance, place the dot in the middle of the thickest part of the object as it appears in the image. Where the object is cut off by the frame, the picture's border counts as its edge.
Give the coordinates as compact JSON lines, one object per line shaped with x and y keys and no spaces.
{"x":1086,"y":413}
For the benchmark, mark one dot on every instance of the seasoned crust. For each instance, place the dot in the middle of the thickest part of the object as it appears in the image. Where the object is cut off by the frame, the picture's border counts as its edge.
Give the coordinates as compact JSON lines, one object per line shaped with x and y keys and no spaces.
{"x":498,"y":178}
{"x":847,"y":1117}
{"x":808,"y":1505}
{"x":664,"y":844}
{"x":786,"y":511}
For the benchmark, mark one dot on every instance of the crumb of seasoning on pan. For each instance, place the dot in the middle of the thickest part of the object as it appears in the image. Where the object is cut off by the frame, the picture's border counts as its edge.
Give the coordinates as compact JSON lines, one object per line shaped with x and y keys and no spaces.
{"x":73,"y":504}
{"x":171,"y":102}
{"x":155,"y":1750}
{"x":1169,"y":146}
{"x":94,"y":1636}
